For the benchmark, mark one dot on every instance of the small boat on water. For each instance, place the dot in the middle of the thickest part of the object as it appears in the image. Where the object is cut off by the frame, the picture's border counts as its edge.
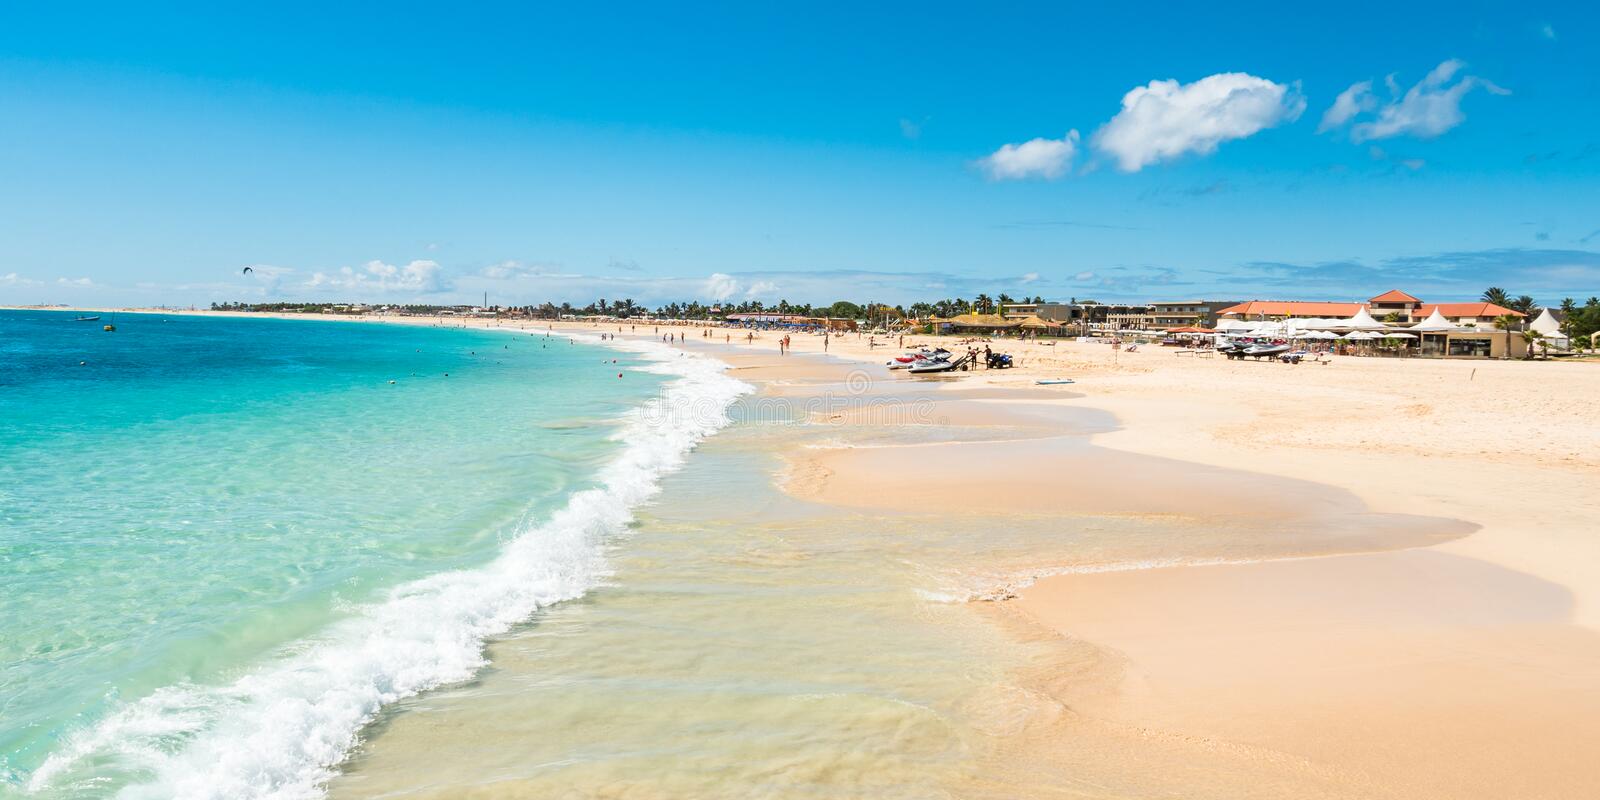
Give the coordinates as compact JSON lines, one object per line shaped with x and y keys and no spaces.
{"x":87,"y":319}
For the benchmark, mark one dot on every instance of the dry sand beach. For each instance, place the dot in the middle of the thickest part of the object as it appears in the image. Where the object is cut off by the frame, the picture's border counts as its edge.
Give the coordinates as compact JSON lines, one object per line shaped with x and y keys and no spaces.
{"x":1372,"y":578}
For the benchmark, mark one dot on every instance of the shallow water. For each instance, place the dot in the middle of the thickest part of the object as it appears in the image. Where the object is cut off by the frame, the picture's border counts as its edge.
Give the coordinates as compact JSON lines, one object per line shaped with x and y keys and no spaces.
{"x":187,"y":501}
{"x":750,"y":644}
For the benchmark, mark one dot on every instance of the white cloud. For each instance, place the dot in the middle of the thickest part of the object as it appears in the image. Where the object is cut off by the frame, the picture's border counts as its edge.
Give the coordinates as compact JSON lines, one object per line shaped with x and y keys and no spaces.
{"x":760,"y":289}
{"x":1083,"y":276}
{"x":84,"y":282}
{"x":1029,"y":277}
{"x":1350,"y":102}
{"x":1165,"y":119}
{"x":418,"y":276}
{"x":13,"y":279}
{"x":513,"y":270}
{"x":1425,"y":111}
{"x":1037,"y":158}
{"x":507,"y":269}
{"x":1547,"y":31}
{"x":720,"y":286}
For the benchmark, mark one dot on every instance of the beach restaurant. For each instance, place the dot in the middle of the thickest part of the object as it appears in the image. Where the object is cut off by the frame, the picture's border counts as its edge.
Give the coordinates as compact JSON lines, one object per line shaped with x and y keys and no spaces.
{"x":1435,"y":337}
{"x":772,"y":320}
{"x":1408,"y":327}
{"x":976,"y":323}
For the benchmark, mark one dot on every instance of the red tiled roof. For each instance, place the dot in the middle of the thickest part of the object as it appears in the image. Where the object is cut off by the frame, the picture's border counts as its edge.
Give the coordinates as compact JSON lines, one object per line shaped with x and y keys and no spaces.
{"x":1466,"y":310}
{"x":1287,"y":308}
{"x":1394,"y":296}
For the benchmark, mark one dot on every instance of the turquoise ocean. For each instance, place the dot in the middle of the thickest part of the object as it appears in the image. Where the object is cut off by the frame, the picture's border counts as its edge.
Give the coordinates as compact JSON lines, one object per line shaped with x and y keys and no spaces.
{"x":226,"y":545}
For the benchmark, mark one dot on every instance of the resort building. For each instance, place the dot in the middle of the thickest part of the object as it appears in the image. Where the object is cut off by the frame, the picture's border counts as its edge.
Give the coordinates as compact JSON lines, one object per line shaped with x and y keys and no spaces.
{"x":1397,"y":304}
{"x":1468,"y":313}
{"x":1256,"y":310}
{"x":1055,"y":312}
{"x":1187,"y":313}
{"x":1126,"y":317}
{"x":1393,"y":307}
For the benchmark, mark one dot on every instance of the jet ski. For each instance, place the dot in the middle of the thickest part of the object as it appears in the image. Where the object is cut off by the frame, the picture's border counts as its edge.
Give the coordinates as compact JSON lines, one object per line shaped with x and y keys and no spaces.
{"x":1233,"y":350}
{"x":938,"y":362}
{"x":910,"y":359}
{"x":1261,"y":351}
{"x":931,"y":365}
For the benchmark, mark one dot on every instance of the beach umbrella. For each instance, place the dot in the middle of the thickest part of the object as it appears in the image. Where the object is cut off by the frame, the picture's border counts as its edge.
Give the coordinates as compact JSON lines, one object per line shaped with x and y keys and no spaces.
{"x":1400,"y":335}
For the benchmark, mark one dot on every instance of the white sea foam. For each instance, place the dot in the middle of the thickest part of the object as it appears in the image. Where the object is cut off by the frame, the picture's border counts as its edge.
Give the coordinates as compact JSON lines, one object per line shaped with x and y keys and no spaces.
{"x":959,"y":587}
{"x":282,"y":730}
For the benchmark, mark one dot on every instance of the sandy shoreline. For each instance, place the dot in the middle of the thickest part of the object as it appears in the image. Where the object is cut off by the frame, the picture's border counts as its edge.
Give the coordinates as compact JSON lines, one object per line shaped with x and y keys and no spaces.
{"x":1456,"y":656}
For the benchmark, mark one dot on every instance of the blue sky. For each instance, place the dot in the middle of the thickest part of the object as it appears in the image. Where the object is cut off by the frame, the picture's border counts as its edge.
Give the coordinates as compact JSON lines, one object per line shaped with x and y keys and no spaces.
{"x":402,"y":152}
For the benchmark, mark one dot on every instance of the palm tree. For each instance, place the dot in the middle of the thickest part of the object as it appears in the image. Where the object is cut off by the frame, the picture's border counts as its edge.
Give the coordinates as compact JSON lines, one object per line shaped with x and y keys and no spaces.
{"x":1496,"y":295}
{"x":1507,"y":323}
{"x":1526,"y":305}
{"x":1532,"y":338}
{"x":982,"y":302}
